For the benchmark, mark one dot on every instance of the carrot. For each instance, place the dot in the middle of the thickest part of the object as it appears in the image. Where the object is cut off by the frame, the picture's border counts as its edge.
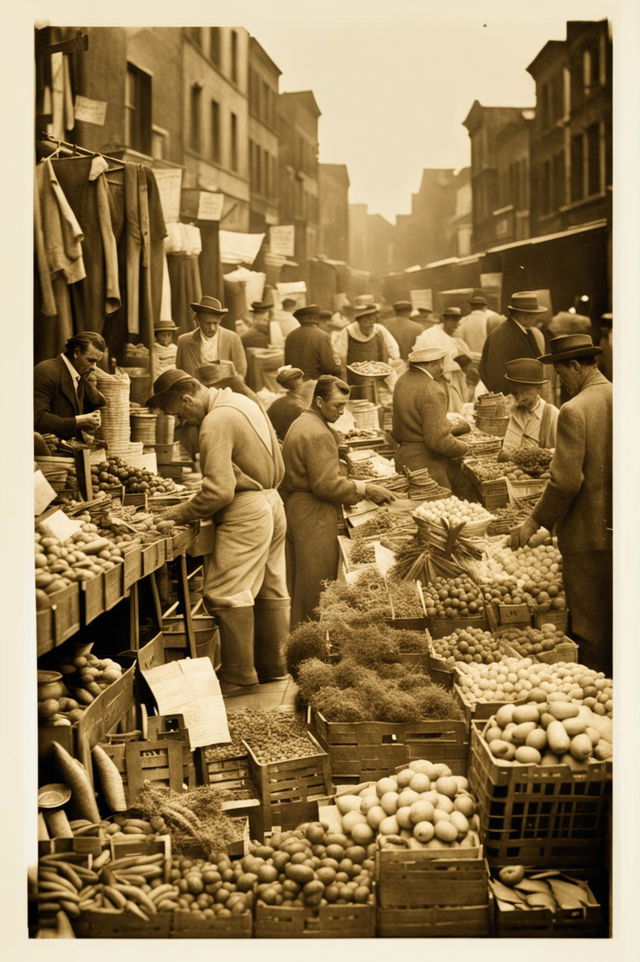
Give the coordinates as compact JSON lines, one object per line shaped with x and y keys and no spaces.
{"x":78,"y":782}
{"x":110,"y":780}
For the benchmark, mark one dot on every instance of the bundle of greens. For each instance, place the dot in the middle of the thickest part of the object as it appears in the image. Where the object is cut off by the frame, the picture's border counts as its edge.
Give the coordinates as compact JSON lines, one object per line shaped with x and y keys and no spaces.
{"x":194,"y":819}
{"x":307,"y":641}
{"x":371,"y":596}
{"x":373,"y":645}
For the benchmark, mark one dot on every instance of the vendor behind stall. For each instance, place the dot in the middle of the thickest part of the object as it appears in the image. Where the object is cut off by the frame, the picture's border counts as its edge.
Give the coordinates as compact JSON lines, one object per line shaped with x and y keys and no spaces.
{"x":284,"y":410}
{"x":244,"y":574}
{"x":533,"y":421}
{"x":66,"y":401}
{"x":458,"y":356}
{"x":365,"y":340}
{"x":314,"y":488}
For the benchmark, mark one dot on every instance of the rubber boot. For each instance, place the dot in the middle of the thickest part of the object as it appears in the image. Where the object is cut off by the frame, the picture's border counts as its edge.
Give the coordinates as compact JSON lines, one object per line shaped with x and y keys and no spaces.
{"x":236,"y":643}
{"x":272,"y":616}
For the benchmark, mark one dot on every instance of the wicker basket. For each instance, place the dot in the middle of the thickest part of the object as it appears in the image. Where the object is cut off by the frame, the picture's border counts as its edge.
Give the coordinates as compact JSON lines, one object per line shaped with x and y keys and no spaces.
{"x":116,"y":429}
{"x":496,"y":426}
{"x":365,"y":414}
{"x":143,"y":427}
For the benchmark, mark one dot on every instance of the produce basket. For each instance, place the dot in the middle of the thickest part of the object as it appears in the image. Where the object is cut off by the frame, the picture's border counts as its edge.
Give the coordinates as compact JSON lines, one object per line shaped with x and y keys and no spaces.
{"x":325,"y":922}
{"x":544,"y":923}
{"x":535,"y":815}
{"x":370,"y":750}
{"x":493,"y":494}
{"x":482,"y":446}
{"x":190,"y":925}
{"x":497,"y":426}
{"x":103,"y":714}
{"x":288,"y":790}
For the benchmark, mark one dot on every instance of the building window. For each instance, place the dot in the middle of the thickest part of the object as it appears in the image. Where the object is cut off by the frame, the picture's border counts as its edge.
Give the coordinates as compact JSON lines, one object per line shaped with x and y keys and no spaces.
{"x":215,"y":131}
{"x":557,"y":98}
{"x":577,"y":168}
{"x":214,"y":45}
{"x":544,"y":106}
{"x":593,"y":159}
{"x":591,"y":67}
{"x":234,"y":56}
{"x":558,"y":179}
{"x":195,"y":129}
{"x":234,"y":142}
{"x":138,"y":109}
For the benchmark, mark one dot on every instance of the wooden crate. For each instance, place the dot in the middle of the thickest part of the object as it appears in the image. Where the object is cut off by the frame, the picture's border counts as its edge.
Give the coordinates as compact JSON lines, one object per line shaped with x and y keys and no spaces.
{"x":439,"y":627}
{"x":132,"y":565}
{"x":481,"y":710}
{"x":149,"y":845}
{"x":44,"y":630}
{"x":103,"y":714}
{"x":138,"y":499}
{"x":152,"y":654}
{"x":559,"y":618}
{"x":527,"y":487}
{"x":121,"y":925}
{"x":492,"y":494}
{"x":436,"y":922}
{"x":370,"y":750}
{"x":65,"y":613}
{"x":152,"y":556}
{"x":414,"y":878}
{"x":500,"y":616}
{"x":230,"y":774}
{"x":190,"y":925}
{"x":535,"y":815}
{"x":325,"y":922}
{"x":88,"y":844}
{"x":92,"y":594}
{"x":113,"y":586}
{"x":566,"y":650}
{"x":542,"y":923}
{"x":289,"y":790}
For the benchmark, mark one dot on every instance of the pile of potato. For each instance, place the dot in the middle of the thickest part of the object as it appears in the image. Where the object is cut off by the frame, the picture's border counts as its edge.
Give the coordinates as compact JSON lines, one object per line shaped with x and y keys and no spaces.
{"x":84,"y":677}
{"x":59,"y":564}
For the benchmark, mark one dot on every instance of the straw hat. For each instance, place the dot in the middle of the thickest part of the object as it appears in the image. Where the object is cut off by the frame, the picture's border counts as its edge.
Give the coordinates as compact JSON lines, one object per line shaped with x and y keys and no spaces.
{"x":526,"y":302}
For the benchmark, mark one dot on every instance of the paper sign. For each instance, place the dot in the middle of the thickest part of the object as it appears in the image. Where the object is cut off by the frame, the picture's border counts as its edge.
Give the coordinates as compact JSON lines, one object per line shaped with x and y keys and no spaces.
{"x":422,"y":298}
{"x":282,"y":239}
{"x":289,"y":288}
{"x":43,"y":493}
{"x":210,"y":206}
{"x":90,"y":111}
{"x":147,"y":461}
{"x":59,"y":526}
{"x":385,"y":558}
{"x":169,"y":181}
{"x":189,"y":687}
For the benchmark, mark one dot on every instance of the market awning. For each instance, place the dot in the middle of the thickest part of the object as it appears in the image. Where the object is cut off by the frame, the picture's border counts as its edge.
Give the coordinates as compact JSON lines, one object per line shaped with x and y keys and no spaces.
{"x":237,"y":248}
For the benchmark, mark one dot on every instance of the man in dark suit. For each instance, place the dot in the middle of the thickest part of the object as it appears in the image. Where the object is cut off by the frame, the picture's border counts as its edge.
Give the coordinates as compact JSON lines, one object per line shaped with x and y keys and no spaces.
{"x":66,"y":400}
{"x":308,"y":347}
{"x":577,"y":500}
{"x":517,"y":337}
{"x":402,"y":328}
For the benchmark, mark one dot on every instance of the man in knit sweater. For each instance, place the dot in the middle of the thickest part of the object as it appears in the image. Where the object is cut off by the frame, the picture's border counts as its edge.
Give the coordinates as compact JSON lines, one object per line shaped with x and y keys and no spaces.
{"x":244,"y":575}
{"x":314,"y":488}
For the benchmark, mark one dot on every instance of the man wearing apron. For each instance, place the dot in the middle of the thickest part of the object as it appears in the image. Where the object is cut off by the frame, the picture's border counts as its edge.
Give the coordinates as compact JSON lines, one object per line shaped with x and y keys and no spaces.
{"x":365,"y":340}
{"x":245,"y":573}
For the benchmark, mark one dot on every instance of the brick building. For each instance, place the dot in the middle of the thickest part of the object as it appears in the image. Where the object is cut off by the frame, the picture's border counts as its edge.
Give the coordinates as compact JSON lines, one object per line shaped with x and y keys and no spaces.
{"x":571,"y":136}
{"x":298,"y":115}
{"x":425,"y":234}
{"x":333,"y":199}
{"x":371,"y":241}
{"x":264,"y":77}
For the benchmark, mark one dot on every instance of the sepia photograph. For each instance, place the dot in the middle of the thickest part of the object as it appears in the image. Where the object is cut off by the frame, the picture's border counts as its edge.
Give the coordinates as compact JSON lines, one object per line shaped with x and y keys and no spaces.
{"x":315,"y":380}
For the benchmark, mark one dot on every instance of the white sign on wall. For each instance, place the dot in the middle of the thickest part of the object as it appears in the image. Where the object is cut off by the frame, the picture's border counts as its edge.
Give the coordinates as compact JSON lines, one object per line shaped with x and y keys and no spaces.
{"x":169,"y":181}
{"x":210,"y":205}
{"x":423,"y":298}
{"x":90,"y":111}
{"x":282,"y":239}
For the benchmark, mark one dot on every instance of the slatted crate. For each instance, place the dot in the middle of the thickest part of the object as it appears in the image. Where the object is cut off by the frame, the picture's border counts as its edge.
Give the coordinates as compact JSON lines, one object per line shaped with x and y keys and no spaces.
{"x":479,"y":710}
{"x":104,"y":713}
{"x":190,"y":925}
{"x":325,"y":922}
{"x":492,"y":494}
{"x":536,"y":815}
{"x":152,"y":654}
{"x":370,"y":750}
{"x":421,"y":878}
{"x":439,"y":627}
{"x":132,"y":565}
{"x":559,"y":618}
{"x":113,"y":586}
{"x":92,"y":596}
{"x":63,"y":618}
{"x":436,"y":922}
{"x":289,"y":790}
{"x":152,"y":556}
{"x":543,"y":923}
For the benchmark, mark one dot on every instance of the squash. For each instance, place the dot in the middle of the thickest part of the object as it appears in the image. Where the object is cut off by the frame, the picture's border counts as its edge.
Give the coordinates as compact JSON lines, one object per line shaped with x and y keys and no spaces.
{"x":74,"y":775}
{"x":110,"y":780}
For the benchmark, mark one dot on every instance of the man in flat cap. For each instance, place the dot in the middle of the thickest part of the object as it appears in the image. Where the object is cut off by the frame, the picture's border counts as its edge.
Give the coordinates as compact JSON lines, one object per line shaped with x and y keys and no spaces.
{"x":403,"y":330}
{"x":420,"y":424}
{"x":577,"y":499}
{"x":308,"y":347}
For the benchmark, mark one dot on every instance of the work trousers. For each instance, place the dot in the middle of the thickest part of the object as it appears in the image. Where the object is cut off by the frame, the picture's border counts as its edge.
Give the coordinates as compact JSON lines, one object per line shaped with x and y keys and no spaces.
{"x":312,"y":551}
{"x":588,"y":583}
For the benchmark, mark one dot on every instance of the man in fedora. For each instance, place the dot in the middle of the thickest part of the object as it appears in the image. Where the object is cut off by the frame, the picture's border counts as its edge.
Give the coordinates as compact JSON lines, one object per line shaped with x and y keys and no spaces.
{"x":421,"y":428}
{"x":209,"y":342}
{"x":309,"y":348}
{"x":533,"y":420}
{"x":164,"y":349}
{"x":477,"y":325}
{"x":245,"y":572}
{"x":577,"y":499}
{"x":258,"y":322}
{"x":519,"y":336}
{"x":403,"y":330}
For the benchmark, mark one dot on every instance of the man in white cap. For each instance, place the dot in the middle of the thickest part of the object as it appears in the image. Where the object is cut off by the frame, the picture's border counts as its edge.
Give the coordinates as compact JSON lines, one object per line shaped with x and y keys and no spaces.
{"x":365,"y":340}
{"x":420,"y":424}
{"x":577,"y":500}
{"x":442,"y":335}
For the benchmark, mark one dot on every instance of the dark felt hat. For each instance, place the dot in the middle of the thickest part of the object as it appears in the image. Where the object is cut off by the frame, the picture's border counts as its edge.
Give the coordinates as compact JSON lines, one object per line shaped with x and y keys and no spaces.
{"x":525,"y":370}
{"x":307,"y":312}
{"x":452,"y":312}
{"x":403,"y":306}
{"x":163,"y":384}
{"x":258,"y":306}
{"x":570,"y":346}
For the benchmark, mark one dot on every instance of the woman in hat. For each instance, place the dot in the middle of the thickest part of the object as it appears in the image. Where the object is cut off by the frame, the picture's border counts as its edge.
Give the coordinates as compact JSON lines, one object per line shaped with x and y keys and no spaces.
{"x":210,"y":342}
{"x":284,"y":410}
{"x":164,"y":349}
{"x":533,"y":420}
